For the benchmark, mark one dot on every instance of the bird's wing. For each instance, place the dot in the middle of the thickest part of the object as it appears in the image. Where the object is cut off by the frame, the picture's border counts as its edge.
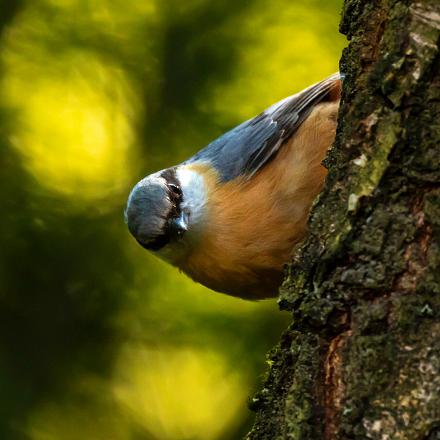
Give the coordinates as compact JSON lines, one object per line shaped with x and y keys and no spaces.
{"x":248,"y":147}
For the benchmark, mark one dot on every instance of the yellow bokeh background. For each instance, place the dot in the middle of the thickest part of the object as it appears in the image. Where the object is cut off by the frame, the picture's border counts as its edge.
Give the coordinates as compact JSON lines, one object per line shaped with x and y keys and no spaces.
{"x":113,"y":343}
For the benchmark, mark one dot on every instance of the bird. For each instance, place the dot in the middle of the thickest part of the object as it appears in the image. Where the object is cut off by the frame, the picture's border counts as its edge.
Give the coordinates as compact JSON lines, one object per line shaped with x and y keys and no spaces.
{"x":232,"y":214}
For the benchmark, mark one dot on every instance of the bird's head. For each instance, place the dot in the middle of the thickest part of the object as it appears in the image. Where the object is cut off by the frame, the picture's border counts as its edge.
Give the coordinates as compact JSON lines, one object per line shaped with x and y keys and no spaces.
{"x":165,"y":209}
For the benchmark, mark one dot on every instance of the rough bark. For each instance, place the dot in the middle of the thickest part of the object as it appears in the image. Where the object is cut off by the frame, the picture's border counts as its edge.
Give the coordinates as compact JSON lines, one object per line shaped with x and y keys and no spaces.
{"x":361,"y":359}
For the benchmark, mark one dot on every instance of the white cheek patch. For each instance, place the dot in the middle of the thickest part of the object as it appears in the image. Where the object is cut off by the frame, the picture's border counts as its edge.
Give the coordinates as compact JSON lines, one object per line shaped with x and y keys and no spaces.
{"x":194,"y":201}
{"x":194,"y":194}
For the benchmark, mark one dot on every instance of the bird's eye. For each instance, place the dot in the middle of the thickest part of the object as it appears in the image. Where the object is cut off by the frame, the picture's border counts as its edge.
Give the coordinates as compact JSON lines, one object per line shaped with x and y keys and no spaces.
{"x":175,"y":189}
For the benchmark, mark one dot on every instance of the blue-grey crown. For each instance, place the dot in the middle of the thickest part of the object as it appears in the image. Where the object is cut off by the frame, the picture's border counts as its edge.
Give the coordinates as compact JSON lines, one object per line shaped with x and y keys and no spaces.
{"x":148,"y":208}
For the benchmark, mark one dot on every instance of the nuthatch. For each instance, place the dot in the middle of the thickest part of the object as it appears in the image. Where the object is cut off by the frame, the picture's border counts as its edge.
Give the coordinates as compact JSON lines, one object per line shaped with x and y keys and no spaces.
{"x":230,"y":216}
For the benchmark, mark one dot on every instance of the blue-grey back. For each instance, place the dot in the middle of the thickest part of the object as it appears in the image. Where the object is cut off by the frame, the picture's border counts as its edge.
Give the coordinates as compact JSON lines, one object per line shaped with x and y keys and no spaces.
{"x":248,"y":147}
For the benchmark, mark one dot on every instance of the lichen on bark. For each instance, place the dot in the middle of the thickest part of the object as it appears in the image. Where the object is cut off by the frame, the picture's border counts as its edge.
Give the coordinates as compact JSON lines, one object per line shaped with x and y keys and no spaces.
{"x":361,"y":358}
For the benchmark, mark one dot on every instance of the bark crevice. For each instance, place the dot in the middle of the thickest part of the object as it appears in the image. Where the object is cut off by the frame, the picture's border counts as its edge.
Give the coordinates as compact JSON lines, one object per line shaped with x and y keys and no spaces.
{"x":362,"y":361}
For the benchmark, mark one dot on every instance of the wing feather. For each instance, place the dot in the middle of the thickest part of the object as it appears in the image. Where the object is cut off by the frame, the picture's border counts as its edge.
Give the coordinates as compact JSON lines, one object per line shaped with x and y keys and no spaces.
{"x":245,"y":149}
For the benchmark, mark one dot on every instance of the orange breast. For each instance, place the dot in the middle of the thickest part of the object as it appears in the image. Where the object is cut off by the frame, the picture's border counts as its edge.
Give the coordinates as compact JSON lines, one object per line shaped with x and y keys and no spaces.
{"x":253,"y":225}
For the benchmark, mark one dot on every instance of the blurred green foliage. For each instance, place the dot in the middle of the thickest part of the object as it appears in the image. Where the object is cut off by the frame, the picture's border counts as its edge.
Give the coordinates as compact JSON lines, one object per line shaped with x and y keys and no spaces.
{"x":98,"y":339}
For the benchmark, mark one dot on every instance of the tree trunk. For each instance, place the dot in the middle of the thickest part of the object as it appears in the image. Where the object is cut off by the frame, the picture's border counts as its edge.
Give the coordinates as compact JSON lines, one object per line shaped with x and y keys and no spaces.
{"x":361,"y":359}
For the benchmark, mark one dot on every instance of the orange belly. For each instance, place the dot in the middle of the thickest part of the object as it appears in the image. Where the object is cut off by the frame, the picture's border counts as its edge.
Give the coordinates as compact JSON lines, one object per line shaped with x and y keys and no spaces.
{"x":253,"y":225}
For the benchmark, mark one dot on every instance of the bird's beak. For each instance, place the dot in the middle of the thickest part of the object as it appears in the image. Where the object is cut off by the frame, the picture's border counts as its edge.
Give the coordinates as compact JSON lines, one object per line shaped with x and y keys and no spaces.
{"x":180,"y":224}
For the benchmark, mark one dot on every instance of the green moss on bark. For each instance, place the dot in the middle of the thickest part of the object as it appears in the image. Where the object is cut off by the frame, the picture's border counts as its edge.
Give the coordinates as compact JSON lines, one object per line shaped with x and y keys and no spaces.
{"x":361,"y":359}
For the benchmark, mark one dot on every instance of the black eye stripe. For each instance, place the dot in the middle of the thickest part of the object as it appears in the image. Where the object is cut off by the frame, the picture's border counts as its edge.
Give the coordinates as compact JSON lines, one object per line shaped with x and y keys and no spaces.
{"x":170,"y":176}
{"x":175,"y":196}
